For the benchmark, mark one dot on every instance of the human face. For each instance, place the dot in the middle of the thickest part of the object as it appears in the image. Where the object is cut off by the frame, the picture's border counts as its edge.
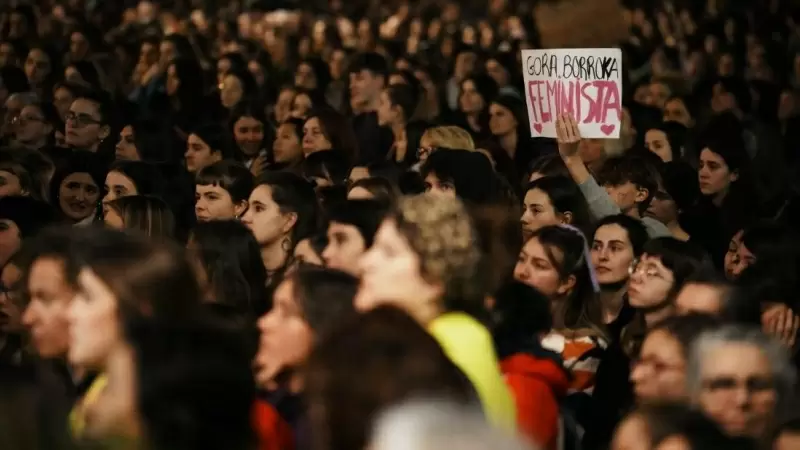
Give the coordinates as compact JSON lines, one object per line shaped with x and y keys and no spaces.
{"x":699,"y":298}
{"x":465,"y":64}
{"x":37,"y":66}
{"x":78,"y":195}
{"x":364,"y":87}
{"x":31,"y":126}
{"x":112,"y":219}
{"x":659,"y":92}
{"x":94,"y":331}
{"x":738,"y":390}
{"x":660,"y":371}
{"x":9,"y":184}
{"x":78,"y":45}
{"x":249,"y":135}
{"x":539,"y":212}
{"x":117,"y":186}
{"x":126,"y":147}
{"x":656,"y":141}
{"x":612,"y":254}
{"x":46,"y":314}
{"x":626,"y":196}
{"x":283,"y":106}
{"x":497,"y":72}
{"x":359,"y":193}
{"x":231,"y":91}
{"x":345,"y":247}
{"x":738,"y":257}
{"x":787,"y":441}
{"x":536,"y":269}
{"x":212,"y":202}
{"x":391,"y":274}
{"x":84,"y":126}
{"x":386,"y":114}
{"x":675,"y":111}
{"x":632,"y":434}
{"x":10,"y":300}
{"x":714,"y":174}
{"x":501,"y":121}
{"x":591,"y":150}
{"x":304,"y":252}
{"x":265,"y":219}
{"x":10,"y":240}
{"x":314,"y":139}
{"x":436,"y":186}
{"x":301,"y":105}
{"x":285,"y":336}
{"x":649,"y":283}
{"x":304,"y":77}
{"x":199,"y":154}
{"x":287,"y":147}
{"x":62,"y":99}
{"x":470,"y":100}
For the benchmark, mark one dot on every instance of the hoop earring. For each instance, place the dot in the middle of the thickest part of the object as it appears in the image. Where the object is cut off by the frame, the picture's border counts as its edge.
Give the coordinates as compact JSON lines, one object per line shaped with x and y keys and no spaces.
{"x":286,"y":245}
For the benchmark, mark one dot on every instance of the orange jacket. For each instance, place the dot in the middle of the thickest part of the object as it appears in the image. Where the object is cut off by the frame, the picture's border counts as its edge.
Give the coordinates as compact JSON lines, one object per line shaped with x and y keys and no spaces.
{"x":537,"y":383}
{"x":272,"y":431}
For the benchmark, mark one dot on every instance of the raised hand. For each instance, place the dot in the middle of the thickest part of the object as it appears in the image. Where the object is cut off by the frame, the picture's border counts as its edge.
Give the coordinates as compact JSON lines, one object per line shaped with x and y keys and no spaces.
{"x":780,"y":321}
{"x":568,"y":135}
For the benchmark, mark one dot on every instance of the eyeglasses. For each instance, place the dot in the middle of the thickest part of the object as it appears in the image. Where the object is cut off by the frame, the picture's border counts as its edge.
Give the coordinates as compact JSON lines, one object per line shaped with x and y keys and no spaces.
{"x":24,"y":120}
{"x":638,"y":266}
{"x":81,"y":120}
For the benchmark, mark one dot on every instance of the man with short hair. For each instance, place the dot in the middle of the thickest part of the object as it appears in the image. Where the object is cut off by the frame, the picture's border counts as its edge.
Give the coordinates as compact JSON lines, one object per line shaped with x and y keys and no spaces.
{"x":368,"y":75}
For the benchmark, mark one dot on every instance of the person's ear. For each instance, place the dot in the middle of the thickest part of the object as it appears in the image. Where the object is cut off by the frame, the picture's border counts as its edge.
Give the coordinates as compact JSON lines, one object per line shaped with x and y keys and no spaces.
{"x":105,"y":131}
{"x":641,"y":195}
{"x":734,"y":175}
{"x":291,"y":220}
{"x":239,"y":208}
{"x":566,"y":285}
{"x":566,"y":218}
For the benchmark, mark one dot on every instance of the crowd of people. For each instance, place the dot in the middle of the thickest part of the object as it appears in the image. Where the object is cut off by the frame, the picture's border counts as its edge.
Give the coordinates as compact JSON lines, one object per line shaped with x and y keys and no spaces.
{"x":326,"y":227}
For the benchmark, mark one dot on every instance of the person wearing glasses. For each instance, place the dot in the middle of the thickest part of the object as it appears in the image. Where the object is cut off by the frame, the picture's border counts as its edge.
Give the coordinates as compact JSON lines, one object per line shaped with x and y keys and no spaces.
{"x":87,"y":123}
{"x":34,"y":127}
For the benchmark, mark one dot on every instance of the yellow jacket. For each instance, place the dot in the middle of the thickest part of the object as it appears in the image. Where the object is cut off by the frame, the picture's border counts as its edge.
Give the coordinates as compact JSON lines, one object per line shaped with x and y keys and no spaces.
{"x":469,"y":345}
{"x":77,"y":417}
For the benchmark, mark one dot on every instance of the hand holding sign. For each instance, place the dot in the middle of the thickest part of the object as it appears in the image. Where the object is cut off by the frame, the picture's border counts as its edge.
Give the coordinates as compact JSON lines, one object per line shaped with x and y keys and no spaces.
{"x":586,"y":83}
{"x":568,"y":135}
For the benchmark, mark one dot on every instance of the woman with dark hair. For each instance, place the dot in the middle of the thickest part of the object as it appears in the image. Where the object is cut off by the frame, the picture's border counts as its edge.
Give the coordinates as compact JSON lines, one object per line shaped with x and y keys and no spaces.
{"x":221,"y":191}
{"x":475,"y":93}
{"x":417,"y":367}
{"x":305,"y":101}
{"x":64,"y":93}
{"x":121,"y":278}
{"x":287,"y":149}
{"x":329,"y":130}
{"x":312,"y":74}
{"x":42,"y":68}
{"x":208,"y":144}
{"x":508,"y":123}
{"x":282,"y":212}
{"x":395,"y":111}
{"x":77,"y":188}
{"x":556,"y":261}
{"x":307,"y":305}
{"x":148,"y":140}
{"x":228,"y":63}
{"x":232,"y":274}
{"x":147,"y":214}
{"x":373,"y":188}
{"x":309,"y":250}
{"x":236,"y":86}
{"x":465,"y":174}
{"x":667,"y":140}
{"x":253,"y":135}
{"x":185,"y":90}
{"x":126,"y":178}
{"x":553,"y":201}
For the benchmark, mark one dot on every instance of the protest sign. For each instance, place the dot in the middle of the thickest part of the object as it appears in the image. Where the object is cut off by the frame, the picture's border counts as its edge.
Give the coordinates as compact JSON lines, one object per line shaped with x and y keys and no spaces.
{"x":585,"y":82}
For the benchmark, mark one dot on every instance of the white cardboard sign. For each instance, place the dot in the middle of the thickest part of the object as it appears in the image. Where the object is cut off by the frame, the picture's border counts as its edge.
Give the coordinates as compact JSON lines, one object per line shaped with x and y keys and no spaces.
{"x":586,"y":82}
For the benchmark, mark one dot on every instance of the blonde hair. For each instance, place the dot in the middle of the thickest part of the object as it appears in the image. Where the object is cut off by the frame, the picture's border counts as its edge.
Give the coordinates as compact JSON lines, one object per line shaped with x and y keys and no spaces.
{"x":440,"y":231}
{"x":451,"y":137}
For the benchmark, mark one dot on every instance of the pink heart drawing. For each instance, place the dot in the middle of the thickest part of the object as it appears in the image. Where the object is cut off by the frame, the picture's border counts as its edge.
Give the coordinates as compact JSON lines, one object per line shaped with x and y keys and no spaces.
{"x":538,"y":127}
{"x":607,"y":129}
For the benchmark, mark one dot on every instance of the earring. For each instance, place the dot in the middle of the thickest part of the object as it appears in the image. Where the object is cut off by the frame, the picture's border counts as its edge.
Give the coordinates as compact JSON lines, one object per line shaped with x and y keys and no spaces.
{"x":286,"y":245}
